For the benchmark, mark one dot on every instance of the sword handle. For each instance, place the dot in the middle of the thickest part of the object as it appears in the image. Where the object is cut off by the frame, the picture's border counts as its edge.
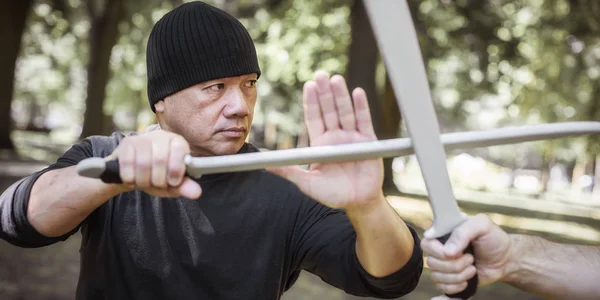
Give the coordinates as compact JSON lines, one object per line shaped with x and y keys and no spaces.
{"x":472,"y":283}
{"x":96,"y":167}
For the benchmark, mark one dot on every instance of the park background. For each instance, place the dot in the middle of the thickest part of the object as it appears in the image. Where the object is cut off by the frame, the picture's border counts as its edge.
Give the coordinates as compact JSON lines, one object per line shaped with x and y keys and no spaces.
{"x":75,"y":68}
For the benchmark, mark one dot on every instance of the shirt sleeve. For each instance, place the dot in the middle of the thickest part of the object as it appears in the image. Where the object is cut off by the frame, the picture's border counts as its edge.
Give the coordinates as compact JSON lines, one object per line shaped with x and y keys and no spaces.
{"x":14,"y":225}
{"x":324,"y":242}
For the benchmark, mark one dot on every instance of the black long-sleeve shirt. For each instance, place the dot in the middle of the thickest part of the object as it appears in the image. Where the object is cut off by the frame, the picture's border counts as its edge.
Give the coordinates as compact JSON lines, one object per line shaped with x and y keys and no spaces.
{"x":247,"y":237}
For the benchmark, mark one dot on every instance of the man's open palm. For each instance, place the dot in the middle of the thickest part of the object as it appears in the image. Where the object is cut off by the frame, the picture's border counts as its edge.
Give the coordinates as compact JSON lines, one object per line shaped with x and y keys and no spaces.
{"x":332,"y":119}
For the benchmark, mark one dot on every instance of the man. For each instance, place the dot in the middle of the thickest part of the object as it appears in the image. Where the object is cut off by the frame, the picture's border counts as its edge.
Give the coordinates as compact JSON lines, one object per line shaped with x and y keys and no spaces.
{"x":548,"y":269}
{"x":249,"y":234}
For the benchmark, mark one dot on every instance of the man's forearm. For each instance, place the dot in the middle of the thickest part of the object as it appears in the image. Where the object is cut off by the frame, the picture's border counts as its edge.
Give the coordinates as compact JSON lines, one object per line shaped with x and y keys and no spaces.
{"x":552,"y":270}
{"x":61,"y":199}
{"x":384,"y":243}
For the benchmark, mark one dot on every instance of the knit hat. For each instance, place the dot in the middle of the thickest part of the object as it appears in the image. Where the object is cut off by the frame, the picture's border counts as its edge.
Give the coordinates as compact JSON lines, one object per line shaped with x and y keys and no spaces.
{"x":195,"y":43}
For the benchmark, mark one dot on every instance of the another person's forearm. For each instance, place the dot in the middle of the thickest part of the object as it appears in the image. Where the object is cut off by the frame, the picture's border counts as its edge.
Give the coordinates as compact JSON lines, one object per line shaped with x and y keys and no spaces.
{"x":552,"y":270}
{"x":384,"y":243}
{"x":61,"y":199}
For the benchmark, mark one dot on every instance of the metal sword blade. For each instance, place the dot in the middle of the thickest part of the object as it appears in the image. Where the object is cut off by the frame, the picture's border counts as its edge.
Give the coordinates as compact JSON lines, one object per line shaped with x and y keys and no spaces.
{"x":398,"y":43}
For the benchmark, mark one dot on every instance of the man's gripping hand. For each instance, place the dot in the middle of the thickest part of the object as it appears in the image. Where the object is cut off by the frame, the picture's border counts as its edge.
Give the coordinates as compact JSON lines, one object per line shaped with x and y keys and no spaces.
{"x":451,"y":268}
{"x":154,"y":163}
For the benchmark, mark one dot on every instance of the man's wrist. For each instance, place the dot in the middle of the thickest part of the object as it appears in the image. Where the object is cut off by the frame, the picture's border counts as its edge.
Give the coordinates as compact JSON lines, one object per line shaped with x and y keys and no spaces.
{"x":367,"y":208}
{"x":518,"y":252}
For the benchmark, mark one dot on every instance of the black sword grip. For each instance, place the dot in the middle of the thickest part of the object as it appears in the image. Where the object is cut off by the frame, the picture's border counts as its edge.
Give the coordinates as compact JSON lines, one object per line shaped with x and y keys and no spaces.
{"x":471,"y":283}
{"x":111,"y":173}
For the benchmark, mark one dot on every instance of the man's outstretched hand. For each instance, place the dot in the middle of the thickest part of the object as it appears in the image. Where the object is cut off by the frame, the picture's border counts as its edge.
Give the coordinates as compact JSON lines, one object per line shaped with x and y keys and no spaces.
{"x":335,"y":117}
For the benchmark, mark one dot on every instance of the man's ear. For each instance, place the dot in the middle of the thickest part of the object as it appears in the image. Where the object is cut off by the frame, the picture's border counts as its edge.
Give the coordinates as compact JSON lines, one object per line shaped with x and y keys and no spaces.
{"x":159,"y":106}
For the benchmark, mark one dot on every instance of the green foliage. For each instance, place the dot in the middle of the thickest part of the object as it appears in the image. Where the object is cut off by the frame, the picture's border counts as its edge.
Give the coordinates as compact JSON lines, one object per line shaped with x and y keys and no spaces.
{"x":293,"y":41}
{"x":490,"y":63}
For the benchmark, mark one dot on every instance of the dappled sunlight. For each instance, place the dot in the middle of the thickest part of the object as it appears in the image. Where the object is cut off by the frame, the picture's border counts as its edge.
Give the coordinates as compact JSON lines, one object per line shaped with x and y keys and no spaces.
{"x":565,"y":229}
{"x":418,"y":212}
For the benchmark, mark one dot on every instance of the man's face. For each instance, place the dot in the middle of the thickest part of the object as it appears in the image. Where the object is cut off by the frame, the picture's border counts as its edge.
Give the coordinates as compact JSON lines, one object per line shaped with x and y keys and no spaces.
{"x":213,"y":116}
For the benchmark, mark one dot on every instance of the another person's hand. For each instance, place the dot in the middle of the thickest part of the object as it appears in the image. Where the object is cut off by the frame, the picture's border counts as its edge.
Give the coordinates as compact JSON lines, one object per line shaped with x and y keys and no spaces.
{"x":154,"y":163}
{"x":450,"y":268}
{"x":333,"y":117}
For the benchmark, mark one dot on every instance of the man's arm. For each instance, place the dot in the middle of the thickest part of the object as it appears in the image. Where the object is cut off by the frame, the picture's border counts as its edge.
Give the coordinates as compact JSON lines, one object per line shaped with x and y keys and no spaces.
{"x":538,"y":266}
{"x":553,"y":270}
{"x":48,"y":205}
{"x":61,"y":199}
{"x":325,"y":243}
{"x":52,"y":203}
{"x":384,"y":243}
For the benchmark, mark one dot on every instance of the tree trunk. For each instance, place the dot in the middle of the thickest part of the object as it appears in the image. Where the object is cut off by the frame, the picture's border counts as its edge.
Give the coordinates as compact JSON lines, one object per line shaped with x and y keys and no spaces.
{"x":362,"y":67}
{"x":590,"y":168}
{"x":545,"y":172}
{"x":390,"y":130}
{"x":362,"y":61}
{"x":104,"y":32}
{"x":578,"y":171}
{"x":13,"y":16}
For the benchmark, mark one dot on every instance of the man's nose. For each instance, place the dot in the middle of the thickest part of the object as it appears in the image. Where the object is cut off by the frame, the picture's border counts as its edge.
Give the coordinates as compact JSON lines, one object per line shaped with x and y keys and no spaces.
{"x":236,"y":104}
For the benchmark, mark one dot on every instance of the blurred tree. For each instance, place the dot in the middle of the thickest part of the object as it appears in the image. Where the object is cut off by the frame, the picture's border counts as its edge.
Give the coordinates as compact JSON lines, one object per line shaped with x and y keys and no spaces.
{"x":13,"y":16}
{"x":104,"y":31}
{"x":362,"y":72}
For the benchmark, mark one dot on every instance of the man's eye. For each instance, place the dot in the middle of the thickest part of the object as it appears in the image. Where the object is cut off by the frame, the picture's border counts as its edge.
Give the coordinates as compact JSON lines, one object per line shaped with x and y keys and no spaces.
{"x":251,"y":83}
{"x":216,"y":87}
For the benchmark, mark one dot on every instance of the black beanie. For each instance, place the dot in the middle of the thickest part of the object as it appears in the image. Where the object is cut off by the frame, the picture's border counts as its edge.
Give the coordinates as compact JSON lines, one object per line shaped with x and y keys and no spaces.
{"x":194,"y":43}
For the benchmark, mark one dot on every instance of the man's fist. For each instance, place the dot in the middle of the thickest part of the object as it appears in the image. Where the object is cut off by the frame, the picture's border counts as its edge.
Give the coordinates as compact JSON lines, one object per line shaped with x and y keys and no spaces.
{"x":154,"y":163}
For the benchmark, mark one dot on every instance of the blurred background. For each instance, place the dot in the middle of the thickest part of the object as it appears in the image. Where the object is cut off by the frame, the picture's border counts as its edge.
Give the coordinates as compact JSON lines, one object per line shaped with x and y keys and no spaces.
{"x":74,"y":68}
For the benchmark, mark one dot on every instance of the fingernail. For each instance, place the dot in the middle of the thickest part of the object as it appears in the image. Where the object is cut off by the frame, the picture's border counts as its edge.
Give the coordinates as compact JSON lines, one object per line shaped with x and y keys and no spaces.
{"x":173,"y":181}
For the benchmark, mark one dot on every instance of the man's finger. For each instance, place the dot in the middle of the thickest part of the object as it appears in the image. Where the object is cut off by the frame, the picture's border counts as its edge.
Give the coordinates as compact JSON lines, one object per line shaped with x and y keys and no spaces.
{"x":363,"y":113}
{"x":464,"y":234}
{"x":343,"y":103}
{"x":450,"y":266}
{"x":443,"y":297}
{"x":160,"y":161}
{"x":176,"y":166}
{"x":312,"y":111}
{"x":143,"y":163}
{"x":454,"y":278}
{"x":326,"y":101}
{"x":190,"y":189}
{"x":433,"y":247}
{"x":126,"y":157}
{"x":451,"y":288}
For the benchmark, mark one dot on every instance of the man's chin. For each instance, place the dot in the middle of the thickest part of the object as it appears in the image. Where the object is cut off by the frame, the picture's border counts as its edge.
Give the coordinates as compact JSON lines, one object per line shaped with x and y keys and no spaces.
{"x":230,"y":148}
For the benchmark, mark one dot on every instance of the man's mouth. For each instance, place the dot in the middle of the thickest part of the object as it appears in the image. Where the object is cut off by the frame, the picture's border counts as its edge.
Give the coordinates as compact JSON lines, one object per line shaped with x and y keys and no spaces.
{"x":234,"y":132}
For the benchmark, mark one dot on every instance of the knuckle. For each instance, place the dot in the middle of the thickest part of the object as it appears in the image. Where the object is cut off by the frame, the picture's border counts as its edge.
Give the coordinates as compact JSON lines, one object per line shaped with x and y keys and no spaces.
{"x":176,"y":171}
{"x":483,"y":219}
{"x":160,"y":160}
{"x":178,"y":143}
{"x":143,"y":164}
{"x":126,"y":162}
{"x":142,"y":183}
